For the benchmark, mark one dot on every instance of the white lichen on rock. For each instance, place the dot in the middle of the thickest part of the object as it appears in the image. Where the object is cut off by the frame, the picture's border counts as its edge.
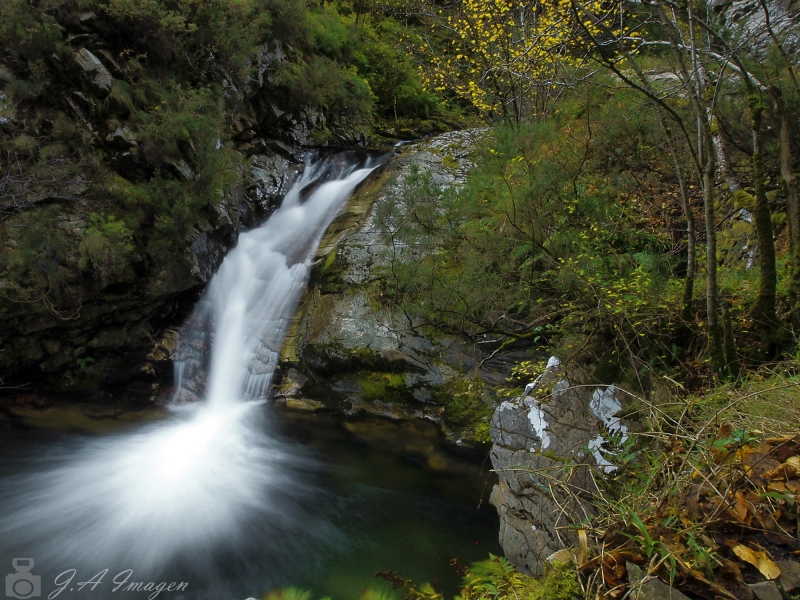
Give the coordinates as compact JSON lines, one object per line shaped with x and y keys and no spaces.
{"x":605,"y":405}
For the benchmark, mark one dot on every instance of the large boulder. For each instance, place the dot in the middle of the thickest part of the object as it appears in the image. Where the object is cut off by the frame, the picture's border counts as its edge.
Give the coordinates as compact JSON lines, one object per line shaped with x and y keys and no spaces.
{"x":358,"y":354}
{"x":546,"y":447}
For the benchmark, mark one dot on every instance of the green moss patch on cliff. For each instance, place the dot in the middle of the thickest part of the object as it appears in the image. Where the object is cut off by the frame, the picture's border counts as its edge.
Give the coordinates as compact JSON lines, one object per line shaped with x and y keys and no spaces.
{"x":465,"y":408}
{"x":387,"y":387}
{"x":327,"y":276}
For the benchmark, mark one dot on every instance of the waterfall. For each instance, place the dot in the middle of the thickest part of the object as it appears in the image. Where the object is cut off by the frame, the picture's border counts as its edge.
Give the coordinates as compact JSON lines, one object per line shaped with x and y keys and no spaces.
{"x":208,"y":478}
{"x":251,"y":300}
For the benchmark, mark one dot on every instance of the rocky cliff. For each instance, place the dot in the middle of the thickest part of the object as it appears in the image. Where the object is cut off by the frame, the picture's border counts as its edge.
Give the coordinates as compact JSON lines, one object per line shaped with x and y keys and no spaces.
{"x":120,"y":196}
{"x":351,"y":351}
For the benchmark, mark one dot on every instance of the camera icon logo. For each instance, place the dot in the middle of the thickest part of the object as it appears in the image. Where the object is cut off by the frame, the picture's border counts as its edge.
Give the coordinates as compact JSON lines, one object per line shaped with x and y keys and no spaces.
{"x":23,"y":584}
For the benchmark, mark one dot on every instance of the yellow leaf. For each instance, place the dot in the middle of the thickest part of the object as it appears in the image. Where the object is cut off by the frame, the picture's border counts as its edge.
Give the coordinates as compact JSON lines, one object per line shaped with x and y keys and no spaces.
{"x":759,"y":560}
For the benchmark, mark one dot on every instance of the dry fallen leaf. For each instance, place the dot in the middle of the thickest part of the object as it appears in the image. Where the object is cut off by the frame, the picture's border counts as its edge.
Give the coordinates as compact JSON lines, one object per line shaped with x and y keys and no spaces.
{"x":741,"y":506}
{"x":794,"y":461}
{"x":783,"y":471}
{"x":777,"y":486}
{"x":759,"y":560}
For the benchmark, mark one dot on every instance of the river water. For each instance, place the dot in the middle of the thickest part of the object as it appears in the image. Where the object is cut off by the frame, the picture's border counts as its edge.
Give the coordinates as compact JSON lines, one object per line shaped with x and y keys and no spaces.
{"x":228,"y":497}
{"x":362,"y":496}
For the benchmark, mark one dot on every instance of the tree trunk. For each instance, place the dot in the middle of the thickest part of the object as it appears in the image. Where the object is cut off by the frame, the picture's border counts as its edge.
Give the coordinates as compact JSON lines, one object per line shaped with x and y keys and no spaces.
{"x":731,"y":356}
{"x":696,"y":88}
{"x":691,"y":227}
{"x":715,"y":348}
{"x":792,"y":202}
{"x":764,"y":315}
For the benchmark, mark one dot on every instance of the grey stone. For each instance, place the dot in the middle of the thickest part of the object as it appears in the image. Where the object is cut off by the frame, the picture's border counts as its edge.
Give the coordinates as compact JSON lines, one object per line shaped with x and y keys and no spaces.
{"x":746,"y":20}
{"x":100,"y":80}
{"x":766,"y":590}
{"x":109,"y":60}
{"x":535,"y":442}
{"x":653,"y":589}
{"x":122,"y":138}
{"x":790,"y":575}
{"x":86,"y":17}
{"x":8,"y":116}
{"x":182,"y":170}
{"x":208,"y":251}
{"x":291,"y":385}
{"x":269,"y":178}
{"x":340,"y":328}
{"x":263,"y":67}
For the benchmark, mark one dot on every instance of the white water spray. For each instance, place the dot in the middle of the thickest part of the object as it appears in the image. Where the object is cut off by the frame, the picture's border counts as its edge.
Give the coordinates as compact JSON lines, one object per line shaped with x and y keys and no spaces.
{"x":208,"y":478}
{"x":251,"y":300}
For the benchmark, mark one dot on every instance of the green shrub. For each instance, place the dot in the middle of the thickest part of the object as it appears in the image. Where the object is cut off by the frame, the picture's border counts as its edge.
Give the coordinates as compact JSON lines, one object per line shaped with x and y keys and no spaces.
{"x":550,"y":241}
{"x":497,"y":579}
{"x":34,"y":257}
{"x":26,"y":31}
{"x":324,"y":84}
{"x":107,"y":249}
{"x":491,"y":579}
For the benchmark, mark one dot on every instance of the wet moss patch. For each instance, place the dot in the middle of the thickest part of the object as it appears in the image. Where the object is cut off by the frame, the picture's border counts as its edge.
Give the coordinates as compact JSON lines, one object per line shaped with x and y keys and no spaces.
{"x":386,"y":387}
{"x":465,"y":409}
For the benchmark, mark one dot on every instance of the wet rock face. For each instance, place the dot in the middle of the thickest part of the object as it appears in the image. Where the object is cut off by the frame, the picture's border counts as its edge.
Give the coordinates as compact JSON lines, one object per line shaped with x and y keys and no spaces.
{"x":104,"y":336}
{"x":209,"y":250}
{"x":356,"y":354}
{"x":109,"y":344}
{"x":269,"y":178}
{"x":538,"y":443}
{"x":748,"y":17}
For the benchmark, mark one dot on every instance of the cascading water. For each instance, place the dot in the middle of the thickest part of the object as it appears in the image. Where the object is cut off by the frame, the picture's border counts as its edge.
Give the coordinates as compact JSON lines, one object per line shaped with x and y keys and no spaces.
{"x":209,"y":479}
{"x":252,"y":298}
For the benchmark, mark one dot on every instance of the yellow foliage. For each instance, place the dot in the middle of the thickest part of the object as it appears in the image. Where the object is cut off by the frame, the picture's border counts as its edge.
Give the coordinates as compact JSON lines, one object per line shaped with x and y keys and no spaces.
{"x":505,"y":56}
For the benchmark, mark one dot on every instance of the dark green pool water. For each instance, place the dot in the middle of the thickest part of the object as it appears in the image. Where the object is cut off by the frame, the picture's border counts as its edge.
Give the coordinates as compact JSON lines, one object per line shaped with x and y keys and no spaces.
{"x":381,"y":495}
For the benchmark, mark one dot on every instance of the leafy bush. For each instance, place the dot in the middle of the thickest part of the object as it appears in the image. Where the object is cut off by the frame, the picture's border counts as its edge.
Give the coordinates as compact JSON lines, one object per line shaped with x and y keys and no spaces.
{"x":195,"y":35}
{"x":496,"y":578}
{"x":34,"y":261}
{"x":25,"y":31}
{"x":491,"y":579}
{"x":324,"y":84}
{"x":701,"y":497}
{"x":553,"y":240}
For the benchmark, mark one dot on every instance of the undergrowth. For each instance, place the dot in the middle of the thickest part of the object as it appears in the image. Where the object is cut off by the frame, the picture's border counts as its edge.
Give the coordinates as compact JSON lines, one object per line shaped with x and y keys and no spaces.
{"x":705,"y":497}
{"x":491,"y":579}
